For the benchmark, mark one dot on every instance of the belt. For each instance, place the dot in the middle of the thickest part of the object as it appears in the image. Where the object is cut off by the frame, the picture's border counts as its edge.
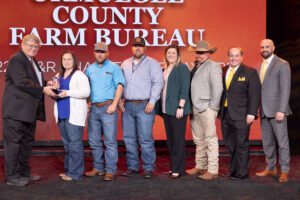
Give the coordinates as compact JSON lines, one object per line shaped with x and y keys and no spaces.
{"x":102,"y":103}
{"x":137,"y":101}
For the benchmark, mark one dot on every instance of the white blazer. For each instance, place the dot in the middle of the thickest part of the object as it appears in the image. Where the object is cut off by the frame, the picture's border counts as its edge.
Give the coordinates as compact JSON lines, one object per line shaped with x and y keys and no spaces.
{"x":78,"y":93}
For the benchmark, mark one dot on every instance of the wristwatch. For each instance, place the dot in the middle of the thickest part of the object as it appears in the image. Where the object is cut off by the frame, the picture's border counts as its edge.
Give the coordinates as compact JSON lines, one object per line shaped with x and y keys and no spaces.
{"x":180,"y":107}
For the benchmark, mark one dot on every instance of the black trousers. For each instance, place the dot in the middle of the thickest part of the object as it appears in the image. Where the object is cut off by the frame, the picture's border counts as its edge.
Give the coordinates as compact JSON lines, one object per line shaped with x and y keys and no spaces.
{"x":175,"y":130}
{"x":236,"y":137}
{"x":18,"y":138}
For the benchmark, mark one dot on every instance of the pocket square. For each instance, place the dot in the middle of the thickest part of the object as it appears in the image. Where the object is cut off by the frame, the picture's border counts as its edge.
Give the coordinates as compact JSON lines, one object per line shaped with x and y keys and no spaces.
{"x":242,"y":79}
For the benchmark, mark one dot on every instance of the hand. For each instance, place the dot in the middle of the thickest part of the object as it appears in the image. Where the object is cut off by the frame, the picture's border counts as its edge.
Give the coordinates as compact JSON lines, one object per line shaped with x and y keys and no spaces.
{"x":149,"y":108}
{"x":121,"y":106}
{"x":279,"y":116}
{"x":111,"y":109}
{"x":48,"y":90}
{"x":62,"y":94}
{"x":249,"y":119}
{"x":179,"y":113}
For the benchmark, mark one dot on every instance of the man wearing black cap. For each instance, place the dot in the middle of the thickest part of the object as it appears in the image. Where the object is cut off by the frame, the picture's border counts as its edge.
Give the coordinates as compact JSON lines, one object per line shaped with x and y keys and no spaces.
{"x":144,"y":82}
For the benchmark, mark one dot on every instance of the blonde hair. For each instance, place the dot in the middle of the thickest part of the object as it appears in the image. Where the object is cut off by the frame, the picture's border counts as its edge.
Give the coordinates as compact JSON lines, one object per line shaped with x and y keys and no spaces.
{"x":31,"y":37}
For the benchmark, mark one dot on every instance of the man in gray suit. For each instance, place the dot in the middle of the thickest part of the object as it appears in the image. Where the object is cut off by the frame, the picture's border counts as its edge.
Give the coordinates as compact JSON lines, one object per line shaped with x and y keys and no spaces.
{"x":275,"y":77}
{"x":206,"y":91}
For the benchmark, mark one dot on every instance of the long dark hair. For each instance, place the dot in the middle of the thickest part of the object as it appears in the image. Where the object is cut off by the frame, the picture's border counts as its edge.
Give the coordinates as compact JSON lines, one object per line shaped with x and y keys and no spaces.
{"x":173,"y":46}
{"x":62,"y":69}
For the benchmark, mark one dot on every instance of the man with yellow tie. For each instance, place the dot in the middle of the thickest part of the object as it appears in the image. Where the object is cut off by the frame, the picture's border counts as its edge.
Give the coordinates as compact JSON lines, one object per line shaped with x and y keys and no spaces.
{"x":238,"y":108}
{"x":275,"y":77}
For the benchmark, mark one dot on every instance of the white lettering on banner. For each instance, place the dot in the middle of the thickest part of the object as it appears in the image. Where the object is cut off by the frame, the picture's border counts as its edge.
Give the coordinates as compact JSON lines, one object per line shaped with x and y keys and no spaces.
{"x":80,"y":35}
{"x":68,"y":37}
{"x":115,"y":13}
{"x":143,"y":21}
{"x":118,"y":1}
{"x":99,"y":35}
{"x":15,"y":35}
{"x":56,"y":12}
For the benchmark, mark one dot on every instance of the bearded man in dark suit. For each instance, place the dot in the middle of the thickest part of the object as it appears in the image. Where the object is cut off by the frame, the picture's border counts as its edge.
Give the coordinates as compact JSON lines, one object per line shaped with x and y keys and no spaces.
{"x":22,"y":105}
{"x":238,"y":108}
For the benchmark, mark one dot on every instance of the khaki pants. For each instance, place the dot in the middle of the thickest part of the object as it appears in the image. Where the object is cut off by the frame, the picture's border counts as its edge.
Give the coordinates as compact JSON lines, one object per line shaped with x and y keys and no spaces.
{"x":205,"y":137}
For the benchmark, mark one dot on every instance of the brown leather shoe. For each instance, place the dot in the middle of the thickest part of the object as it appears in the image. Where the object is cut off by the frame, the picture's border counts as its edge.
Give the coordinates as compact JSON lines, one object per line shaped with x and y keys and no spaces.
{"x":208,"y":176}
{"x":94,"y":172}
{"x":267,"y":172}
{"x":109,"y":177}
{"x":66,"y":178}
{"x":284,"y":177}
{"x":195,"y":170}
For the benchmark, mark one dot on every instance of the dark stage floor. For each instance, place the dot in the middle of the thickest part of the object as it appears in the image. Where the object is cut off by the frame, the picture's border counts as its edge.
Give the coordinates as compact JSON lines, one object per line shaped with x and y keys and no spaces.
{"x":160,"y":187}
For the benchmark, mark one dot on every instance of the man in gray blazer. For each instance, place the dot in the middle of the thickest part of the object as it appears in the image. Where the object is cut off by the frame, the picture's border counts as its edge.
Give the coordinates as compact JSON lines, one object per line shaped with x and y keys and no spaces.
{"x":206,"y":91}
{"x":275,"y":76}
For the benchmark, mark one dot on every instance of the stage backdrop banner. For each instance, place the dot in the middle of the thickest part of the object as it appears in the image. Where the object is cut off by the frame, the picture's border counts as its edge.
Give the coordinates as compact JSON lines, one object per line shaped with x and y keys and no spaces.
{"x":77,"y":24}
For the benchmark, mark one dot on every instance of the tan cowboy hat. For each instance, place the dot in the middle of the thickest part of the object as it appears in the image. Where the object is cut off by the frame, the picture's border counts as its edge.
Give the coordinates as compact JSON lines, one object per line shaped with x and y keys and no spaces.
{"x":203,"y":46}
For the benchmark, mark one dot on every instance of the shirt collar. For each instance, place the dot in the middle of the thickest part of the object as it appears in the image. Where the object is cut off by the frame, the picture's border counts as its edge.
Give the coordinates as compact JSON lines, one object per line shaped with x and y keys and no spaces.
{"x":142,"y":58}
{"x":236,"y":68}
{"x":103,"y":64}
{"x":268,"y":60}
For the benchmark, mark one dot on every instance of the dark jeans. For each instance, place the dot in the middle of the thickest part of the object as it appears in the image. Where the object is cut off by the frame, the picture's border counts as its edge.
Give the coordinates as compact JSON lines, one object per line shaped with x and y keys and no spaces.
{"x":18,"y":138}
{"x":175,"y":130}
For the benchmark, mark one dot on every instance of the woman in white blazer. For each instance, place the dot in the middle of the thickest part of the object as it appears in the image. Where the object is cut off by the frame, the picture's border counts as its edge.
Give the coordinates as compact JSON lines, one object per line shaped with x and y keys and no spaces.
{"x":70,"y":111}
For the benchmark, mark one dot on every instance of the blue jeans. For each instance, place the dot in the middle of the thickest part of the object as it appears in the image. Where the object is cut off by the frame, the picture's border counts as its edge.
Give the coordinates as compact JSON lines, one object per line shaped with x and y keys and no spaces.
{"x":72,"y":139}
{"x":100,"y":123}
{"x":138,"y":125}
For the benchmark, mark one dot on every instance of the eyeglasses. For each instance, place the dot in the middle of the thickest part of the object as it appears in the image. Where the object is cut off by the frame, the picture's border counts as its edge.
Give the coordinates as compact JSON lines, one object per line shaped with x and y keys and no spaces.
{"x":33,"y":46}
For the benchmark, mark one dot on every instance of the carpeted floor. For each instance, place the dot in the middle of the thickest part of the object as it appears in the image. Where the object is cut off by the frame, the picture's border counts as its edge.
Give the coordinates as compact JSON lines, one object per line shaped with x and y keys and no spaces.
{"x":160,"y":187}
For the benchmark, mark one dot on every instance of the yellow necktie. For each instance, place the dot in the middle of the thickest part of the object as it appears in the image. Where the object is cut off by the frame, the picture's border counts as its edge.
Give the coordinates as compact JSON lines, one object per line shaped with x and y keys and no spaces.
{"x":228,"y":81}
{"x":263,"y":71}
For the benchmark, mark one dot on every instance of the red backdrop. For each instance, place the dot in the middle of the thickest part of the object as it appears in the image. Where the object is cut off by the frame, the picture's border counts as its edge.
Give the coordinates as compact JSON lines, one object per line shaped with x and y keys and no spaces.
{"x":222,"y":23}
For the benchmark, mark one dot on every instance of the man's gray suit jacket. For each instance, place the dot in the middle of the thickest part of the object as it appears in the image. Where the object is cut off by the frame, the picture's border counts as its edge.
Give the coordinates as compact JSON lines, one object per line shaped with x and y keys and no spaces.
{"x":276,"y":88}
{"x":207,"y":86}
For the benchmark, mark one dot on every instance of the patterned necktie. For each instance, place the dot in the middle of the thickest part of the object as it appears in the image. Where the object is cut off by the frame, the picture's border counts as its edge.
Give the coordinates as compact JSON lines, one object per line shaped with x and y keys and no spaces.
{"x":228,"y":81}
{"x":263,"y":71}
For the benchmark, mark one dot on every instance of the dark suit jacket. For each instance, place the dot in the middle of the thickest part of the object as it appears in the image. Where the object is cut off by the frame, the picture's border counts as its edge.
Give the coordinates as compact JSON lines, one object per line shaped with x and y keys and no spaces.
{"x":23,"y":97}
{"x":243,"y":95}
{"x":178,"y":88}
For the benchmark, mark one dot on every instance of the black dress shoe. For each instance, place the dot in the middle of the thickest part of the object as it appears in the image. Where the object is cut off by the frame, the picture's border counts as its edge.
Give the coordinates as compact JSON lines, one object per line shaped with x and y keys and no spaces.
{"x":130,"y":173}
{"x":148,"y":175}
{"x":238,"y":177}
{"x":22,"y":181}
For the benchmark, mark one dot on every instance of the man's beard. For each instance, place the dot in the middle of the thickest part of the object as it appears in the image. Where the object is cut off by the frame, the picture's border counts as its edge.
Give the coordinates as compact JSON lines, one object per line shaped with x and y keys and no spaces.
{"x":138,"y":57}
{"x":265,"y":56}
{"x":101,"y":63}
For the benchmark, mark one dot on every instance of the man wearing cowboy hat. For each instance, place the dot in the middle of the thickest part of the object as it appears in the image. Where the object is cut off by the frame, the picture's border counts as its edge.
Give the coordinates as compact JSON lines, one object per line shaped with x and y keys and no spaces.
{"x":206,"y":91}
